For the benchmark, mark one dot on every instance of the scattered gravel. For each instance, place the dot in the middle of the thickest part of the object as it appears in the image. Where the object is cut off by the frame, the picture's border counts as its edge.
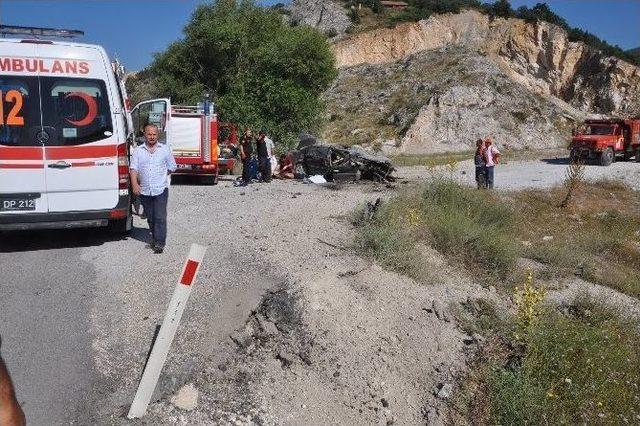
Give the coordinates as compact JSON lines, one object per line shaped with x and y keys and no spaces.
{"x":513,"y":175}
{"x":283,"y":314}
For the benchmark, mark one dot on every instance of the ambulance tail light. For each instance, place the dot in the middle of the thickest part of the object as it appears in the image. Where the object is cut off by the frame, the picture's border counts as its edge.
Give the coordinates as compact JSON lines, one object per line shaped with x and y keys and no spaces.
{"x":118,"y":214}
{"x":123,"y":167}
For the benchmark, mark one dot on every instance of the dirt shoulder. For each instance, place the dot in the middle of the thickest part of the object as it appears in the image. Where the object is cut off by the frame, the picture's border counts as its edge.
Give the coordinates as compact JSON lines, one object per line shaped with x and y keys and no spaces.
{"x":333,"y":338}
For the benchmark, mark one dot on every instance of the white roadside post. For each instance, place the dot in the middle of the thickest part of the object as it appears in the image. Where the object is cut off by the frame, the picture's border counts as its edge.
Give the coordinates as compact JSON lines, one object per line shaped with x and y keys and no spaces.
{"x":168,"y":329}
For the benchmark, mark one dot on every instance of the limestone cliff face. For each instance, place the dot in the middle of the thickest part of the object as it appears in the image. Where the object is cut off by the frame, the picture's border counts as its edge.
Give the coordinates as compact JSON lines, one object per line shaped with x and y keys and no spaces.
{"x":442,"y":101}
{"x":537,"y":55}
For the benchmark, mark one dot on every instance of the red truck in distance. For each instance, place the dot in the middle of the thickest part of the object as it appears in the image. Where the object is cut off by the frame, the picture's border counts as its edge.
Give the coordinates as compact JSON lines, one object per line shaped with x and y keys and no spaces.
{"x":605,"y":140}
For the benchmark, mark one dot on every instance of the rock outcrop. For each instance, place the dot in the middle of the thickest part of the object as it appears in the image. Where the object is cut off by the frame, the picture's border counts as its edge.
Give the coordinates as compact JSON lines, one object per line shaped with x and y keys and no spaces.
{"x":327,"y":16}
{"x":537,"y":55}
{"x":442,"y":101}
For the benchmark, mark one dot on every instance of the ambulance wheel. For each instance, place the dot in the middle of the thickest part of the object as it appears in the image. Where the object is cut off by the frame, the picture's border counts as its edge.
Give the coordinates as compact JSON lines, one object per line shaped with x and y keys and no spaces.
{"x":607,"y":157}
{"x":121,"y":226}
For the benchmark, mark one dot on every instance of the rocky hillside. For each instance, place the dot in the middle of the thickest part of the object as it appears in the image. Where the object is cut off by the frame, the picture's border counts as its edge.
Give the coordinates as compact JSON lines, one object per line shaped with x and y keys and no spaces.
{"x":441,"y":101}
{"x":538,"y":55}
{"x":437,"y":84}
{"x":328,"y":16}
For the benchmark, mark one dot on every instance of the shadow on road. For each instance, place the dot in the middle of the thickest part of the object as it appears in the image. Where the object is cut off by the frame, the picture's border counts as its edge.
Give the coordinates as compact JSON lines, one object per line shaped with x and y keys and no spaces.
{"x":17,"y":241}
{"x":140,"y":234}
{"x":556,"y":160}
{"x":180,"y":180}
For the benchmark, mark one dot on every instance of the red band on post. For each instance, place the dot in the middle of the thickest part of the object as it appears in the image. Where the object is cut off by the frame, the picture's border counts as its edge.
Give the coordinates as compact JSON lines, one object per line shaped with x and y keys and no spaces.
{"x":189,"y":272}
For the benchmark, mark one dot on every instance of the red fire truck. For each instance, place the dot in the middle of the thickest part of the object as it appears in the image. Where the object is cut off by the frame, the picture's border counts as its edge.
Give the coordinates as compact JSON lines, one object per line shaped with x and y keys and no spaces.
{"x":192,"y":133}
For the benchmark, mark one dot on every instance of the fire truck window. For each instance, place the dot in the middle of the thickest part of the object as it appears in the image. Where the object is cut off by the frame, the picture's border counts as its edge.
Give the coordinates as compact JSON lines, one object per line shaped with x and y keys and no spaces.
{"x":20,"y":111}
{"x":599,"y":130}
{"x":75,"y":111}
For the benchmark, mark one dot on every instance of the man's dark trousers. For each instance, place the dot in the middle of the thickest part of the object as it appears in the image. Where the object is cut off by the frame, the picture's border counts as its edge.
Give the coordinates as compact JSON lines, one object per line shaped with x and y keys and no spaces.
{"x":155,"y":207}
{"x":489,"y":177}
{"x":246,"y":178}
{"x":265,"y":168}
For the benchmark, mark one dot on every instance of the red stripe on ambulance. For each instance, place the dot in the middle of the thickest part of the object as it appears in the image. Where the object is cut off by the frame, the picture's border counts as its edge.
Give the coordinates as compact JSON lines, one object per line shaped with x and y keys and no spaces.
{"x":79,"y":152}
{"x":20,"y":153}
{"x":21,"y":166}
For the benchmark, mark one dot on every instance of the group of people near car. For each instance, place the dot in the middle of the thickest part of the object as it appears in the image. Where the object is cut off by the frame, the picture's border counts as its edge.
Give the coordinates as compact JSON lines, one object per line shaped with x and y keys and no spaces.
{"x":259,"y":161}
{"x":485,"y":159}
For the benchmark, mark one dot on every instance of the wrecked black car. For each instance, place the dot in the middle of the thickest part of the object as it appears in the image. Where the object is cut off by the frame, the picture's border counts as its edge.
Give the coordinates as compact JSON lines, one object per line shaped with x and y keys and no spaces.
{"x":342,"y":164}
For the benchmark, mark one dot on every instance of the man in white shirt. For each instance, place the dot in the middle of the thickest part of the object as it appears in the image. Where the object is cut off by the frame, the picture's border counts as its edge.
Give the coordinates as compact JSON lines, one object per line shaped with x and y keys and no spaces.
{"x":492,"y":157}
{"x":151,"y":163}
{"x":264,"y":148}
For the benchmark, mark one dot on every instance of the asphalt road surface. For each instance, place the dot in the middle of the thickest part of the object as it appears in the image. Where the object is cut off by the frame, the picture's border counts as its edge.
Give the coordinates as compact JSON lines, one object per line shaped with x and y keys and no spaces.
{"x":47,"y":290}
{"x":78,"y":309}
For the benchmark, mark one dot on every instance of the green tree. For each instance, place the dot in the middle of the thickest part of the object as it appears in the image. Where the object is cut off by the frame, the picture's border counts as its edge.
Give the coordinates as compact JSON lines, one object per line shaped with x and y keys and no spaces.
{"x":261,"y":72}
{"x":501,"y":8}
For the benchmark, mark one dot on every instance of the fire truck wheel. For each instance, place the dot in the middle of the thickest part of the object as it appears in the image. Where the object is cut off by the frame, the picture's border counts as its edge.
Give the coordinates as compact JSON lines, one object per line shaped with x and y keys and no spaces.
{"x":638,"y":155}
{"x":606,"y":157}
{"x":210,"y":180}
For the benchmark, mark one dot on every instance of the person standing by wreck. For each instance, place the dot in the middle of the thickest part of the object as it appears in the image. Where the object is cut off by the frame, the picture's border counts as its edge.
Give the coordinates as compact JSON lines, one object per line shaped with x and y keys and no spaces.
{"x":481,"y":166}
{"x":491,"y":158}
{"x":264,"y":147}
{"x":246,"y":149}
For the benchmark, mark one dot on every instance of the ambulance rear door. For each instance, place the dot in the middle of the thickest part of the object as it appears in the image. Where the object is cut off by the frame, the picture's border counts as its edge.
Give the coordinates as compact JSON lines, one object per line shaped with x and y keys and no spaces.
{"x":22,"y":173}
{"x":154,"y":111}
{"x":79,"y":110}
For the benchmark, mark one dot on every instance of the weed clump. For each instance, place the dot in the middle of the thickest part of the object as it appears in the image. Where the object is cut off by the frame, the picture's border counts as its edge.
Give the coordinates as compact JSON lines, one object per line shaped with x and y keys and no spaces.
{"x":575,"y":369}
{"x":472,"y":227}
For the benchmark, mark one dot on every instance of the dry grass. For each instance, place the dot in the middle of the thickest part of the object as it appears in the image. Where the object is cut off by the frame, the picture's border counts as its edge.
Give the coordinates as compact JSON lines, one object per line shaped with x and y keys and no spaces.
{"x":577,"y":364}
{"x":471,"y":227}
{"x":597,"y":236}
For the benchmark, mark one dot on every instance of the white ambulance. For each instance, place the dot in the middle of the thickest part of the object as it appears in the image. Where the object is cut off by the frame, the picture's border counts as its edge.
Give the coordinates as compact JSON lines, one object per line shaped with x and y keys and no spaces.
{"x":64,"y":157}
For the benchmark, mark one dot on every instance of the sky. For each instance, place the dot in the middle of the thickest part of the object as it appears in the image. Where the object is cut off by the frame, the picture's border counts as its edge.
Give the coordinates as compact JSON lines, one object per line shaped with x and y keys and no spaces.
{"x":133,"y":30}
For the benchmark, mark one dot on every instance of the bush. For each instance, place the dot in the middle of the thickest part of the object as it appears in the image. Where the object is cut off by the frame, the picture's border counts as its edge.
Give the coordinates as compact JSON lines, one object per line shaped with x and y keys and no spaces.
{"x":469,"y":225}
{"x":577,"y":369}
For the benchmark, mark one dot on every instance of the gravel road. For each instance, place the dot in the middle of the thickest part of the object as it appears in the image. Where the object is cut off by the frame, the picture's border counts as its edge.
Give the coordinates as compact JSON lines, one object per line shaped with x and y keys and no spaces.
{"x":542,"y":173}
{"x":79,"y":309}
